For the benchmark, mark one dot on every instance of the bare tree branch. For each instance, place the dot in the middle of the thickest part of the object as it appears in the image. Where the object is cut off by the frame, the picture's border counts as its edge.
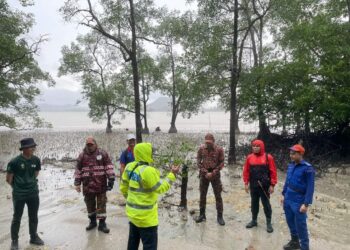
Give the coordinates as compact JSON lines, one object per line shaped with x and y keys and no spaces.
{"x":99,"y":27}
{"x":153,"y":41}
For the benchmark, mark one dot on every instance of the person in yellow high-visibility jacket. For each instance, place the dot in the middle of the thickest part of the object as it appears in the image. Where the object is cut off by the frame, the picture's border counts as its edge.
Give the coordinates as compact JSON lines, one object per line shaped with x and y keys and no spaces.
{"x":141,"y":185}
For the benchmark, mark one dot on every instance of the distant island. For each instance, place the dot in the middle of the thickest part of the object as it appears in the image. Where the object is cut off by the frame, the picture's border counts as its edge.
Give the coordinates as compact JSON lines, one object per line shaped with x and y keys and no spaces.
{"x":161,"y":104}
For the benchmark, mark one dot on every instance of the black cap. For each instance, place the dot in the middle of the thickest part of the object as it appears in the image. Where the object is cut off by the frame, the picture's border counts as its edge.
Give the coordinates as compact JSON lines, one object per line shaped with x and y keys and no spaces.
{"x":27,"y":143}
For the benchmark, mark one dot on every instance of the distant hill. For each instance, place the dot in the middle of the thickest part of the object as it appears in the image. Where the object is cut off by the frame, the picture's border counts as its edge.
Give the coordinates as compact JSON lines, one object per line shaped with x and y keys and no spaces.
{"x":61,"y":108}
{"x":60,"y":100}
{"x":162,"y":104}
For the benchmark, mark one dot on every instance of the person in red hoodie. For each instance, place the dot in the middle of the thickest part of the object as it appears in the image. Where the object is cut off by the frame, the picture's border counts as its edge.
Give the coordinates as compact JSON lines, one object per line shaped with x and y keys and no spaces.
{"x":260,"y":177}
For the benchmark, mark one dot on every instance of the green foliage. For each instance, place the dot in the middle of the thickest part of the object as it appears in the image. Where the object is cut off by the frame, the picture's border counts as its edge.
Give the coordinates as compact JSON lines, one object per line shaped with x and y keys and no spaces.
{"x":175,"y":153}
{"x":106,"y":82}
{"x":305,"y":81}
{"x":185,"y":77}
{"x":293,"y":65}
{"x":19,"y":72}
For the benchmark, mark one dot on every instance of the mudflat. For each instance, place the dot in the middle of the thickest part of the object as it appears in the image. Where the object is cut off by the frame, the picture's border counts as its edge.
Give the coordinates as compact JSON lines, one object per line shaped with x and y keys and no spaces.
{"x":63,"y":217}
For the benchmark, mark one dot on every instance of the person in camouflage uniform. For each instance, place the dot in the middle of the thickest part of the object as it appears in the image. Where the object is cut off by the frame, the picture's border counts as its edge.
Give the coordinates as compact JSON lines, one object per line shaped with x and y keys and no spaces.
{"x":210,"y":161}
{"x":93,"y":169}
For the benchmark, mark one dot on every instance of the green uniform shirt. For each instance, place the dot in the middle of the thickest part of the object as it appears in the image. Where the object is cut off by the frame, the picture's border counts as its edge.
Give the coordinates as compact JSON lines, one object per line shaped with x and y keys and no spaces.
{"x":24,"y":180}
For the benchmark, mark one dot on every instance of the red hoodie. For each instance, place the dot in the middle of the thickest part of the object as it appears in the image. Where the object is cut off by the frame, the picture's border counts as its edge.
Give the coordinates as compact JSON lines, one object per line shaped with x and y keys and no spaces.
{"x":257,"y":161}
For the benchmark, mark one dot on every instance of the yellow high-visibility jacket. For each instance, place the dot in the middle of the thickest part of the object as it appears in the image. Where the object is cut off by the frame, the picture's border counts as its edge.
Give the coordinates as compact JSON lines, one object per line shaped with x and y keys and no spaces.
{"x":141,"y":185}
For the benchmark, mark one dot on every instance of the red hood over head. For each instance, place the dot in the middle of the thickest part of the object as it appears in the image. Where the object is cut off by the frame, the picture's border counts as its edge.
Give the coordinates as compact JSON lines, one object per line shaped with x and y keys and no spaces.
{"x":261,"y":144}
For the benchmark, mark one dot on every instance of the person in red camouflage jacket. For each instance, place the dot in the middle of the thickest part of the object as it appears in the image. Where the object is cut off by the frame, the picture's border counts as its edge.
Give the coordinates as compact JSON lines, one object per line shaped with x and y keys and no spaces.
{"x":210,"y":160}
{"x":260,"y":177}
{"x":93,"y":169}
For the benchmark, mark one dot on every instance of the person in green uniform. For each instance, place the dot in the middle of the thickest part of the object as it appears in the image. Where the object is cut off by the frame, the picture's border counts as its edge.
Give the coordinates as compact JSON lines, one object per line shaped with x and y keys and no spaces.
{"x":22,"y":173}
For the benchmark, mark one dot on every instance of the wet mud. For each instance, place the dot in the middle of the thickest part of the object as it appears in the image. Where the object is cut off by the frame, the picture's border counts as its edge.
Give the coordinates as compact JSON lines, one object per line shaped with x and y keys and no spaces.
{"x":63,"y":217}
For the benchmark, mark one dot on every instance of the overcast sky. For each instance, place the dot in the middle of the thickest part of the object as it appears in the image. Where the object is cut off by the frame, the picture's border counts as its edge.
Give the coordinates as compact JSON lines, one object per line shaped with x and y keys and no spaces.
{"x":48,"y":21}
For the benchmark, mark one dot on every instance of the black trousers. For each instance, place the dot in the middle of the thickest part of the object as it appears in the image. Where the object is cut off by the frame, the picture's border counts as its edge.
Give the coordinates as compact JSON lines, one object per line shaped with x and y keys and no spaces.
{"x":18,"y":207}
{"x":148,"y":235}
{"x":257,"y":193}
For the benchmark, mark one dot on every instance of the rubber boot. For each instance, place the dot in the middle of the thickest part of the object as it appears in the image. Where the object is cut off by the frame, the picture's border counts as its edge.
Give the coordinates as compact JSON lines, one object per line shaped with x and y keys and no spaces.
{"x":221,"y":219}
{"x":92,"y":223}
{"x":102,"y":226}
{"x":14,"y":245}
{"x":201,"y":216}
{"x":269,"y":227}
{"x":293,"y":244}
{"x":35,"y":240}
{"x":252,"y":224}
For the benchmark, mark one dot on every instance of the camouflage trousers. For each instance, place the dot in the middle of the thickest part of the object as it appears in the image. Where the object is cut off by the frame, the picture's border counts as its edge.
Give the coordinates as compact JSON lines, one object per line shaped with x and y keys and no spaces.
{"x":217,"y":188}
{"x":96,"y":205}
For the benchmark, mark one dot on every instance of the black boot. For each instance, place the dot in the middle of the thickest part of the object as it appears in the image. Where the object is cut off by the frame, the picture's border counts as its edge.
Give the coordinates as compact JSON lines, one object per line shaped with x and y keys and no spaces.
{"x":201,"y":216}
{"x":221,"y":220}
{"x":269,"y":227}
{"x":14,"y":245}
{"x":102,"y":226}
{"x":293,"y":244}
{"x":252,"y":224}
{"x":35,"y":240}
{"x":92,"y":223}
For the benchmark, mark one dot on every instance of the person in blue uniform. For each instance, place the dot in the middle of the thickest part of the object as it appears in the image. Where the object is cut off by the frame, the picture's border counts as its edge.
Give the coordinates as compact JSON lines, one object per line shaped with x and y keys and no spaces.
{"x":297,"y":197}
{"x":127,"y":155}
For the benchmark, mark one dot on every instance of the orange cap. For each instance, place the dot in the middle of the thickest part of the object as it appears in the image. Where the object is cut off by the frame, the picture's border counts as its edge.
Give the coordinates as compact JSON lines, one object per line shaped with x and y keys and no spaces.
{"x":298,"y":148}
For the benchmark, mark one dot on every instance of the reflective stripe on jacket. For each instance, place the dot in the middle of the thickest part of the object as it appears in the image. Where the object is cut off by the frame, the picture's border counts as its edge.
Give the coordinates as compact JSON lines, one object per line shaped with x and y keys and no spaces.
{"x":93,"y":170}
{"x":141,"y":185}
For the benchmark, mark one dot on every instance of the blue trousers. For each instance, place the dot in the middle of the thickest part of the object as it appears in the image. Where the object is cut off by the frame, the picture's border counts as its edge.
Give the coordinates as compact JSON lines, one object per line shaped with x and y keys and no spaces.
{"x":297,"y":222}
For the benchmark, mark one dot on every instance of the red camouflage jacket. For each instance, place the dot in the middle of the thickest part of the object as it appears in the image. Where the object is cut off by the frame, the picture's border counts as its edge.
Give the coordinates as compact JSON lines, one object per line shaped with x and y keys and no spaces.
{"x":93,"y":170}
{"x":210,"y":160}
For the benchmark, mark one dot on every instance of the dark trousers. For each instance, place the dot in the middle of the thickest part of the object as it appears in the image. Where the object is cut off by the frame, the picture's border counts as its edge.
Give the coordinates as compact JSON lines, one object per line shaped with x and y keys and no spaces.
{"x":96,"y":205}
{"x":217,"y":188}
{"x":148,"y":235}
{"x":18,"y":207}
{"x":257,"y":193}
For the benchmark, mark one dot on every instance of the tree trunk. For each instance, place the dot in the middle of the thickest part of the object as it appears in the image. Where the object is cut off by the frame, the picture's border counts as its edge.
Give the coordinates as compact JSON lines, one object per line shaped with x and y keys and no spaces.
{"x":109,"y":118}
{"x":298,"y":123}
{"x":145,"y":129}
{"x":173,"y":129}
{"x":109,"y":125}
{"x":348,"y":4}
{"x":135,"y":74}
{"x":184,"y":181}
{"x":284,"y":122}
{"x":264,"y":131}
{"x":144,"y":100}
{"x":174,"y":105}
{"x":307,"y":122}
{"x":233,"y":88}
{"x":237,"y":131}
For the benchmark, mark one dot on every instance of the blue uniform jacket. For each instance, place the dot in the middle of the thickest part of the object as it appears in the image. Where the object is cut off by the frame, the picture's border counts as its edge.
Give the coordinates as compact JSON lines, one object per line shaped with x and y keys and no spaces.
{"x":127,"y":156}
{"x":300,"y":183}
